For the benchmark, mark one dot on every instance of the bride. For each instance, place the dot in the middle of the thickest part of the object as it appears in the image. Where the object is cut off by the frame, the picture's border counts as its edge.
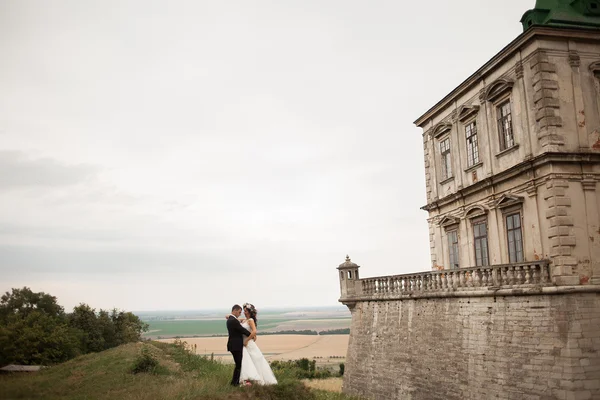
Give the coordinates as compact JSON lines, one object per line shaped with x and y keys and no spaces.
{"x":255,"y":367}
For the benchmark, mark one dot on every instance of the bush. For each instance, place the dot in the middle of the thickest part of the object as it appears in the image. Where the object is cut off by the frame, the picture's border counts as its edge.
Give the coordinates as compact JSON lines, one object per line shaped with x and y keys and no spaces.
{"x":342,"y":369}
{"x":299,"y":369}
{"x":145,"y":362}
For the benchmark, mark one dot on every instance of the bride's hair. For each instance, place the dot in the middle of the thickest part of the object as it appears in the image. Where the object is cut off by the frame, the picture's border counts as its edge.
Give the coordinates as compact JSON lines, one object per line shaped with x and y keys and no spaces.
{"x":252,"y":310}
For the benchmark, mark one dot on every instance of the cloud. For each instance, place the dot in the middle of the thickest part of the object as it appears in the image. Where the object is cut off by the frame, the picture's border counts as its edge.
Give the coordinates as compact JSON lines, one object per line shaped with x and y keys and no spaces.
{"x":18,"y":171}
{"x":213,"y":145}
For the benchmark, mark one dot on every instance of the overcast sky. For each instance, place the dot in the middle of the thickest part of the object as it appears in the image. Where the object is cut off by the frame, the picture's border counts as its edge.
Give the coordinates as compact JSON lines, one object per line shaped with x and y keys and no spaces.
{"x":194,"y":154}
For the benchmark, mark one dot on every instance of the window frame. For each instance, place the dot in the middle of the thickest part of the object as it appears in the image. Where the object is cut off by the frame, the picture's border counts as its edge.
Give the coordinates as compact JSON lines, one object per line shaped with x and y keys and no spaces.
{"x":446,"y":171}
{"x":453,"y":247}
{"x":500,"y":123}
{"x":484,"y":257}
{"x":474,"y":160}
{"x":511,"y":213}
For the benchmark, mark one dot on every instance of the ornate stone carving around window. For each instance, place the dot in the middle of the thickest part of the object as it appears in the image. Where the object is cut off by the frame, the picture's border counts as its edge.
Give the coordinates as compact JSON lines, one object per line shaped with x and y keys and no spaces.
{"x":475,"y":211}
{"x":448,"y":220}
{"x":595,"y":68}
{"x":440,"y":129}
{"x":508,"y":200}
{"x":497,"y":89}
{"x":466,"y":112}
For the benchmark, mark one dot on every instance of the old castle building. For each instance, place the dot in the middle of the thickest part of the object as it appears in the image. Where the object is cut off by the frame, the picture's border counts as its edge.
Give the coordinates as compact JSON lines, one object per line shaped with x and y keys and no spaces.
{"x":511,"y":306}
{"x":512,"y":154}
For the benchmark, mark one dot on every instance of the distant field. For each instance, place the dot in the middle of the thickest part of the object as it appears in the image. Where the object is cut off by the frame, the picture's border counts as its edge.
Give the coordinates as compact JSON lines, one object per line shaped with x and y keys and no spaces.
{"x":329,"y":349}
{"x":199,"y":327}
{"x":202,"y":323}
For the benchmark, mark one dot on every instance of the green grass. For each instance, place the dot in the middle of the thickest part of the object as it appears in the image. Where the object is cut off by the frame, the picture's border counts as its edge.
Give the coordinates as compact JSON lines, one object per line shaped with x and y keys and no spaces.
{"x":182,"y":375}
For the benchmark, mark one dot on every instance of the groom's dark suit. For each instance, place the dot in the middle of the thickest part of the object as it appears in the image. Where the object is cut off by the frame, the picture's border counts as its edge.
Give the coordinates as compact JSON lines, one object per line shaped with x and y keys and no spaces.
{"x":235,"y":345}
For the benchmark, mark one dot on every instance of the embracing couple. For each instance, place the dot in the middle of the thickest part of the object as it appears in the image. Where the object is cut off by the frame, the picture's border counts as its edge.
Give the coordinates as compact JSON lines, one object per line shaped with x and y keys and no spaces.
{"x":250,"y":364}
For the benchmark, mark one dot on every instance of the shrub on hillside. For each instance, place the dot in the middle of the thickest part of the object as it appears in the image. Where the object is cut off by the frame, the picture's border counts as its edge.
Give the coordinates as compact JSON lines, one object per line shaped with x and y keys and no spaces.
{"x":145,"y":362}
{"x":299,"y":369}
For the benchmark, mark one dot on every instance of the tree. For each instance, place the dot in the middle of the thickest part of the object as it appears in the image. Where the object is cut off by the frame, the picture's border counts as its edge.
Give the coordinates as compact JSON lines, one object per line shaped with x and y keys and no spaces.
{"x":128,"y":327}
{"x":39,"y":339}
{"x":34,"y":329}
{"x":24,"y":301}
{"x":85,"y":319}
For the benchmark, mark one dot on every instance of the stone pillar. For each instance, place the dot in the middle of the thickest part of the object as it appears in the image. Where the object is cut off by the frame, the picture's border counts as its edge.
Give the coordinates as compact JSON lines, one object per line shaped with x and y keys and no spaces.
{"x":546,"y":102}
{"x":535,"y":229}
{"x":560,"y":233}
{"x":349,"y":280}
{"x":593,"y":218}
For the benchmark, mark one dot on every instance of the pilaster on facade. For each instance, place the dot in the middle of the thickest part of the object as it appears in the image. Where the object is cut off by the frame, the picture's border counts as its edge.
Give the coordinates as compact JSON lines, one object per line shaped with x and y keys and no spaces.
{"x":432,"y":251}
{"x":546,"y":101}
{"x":560,"y":234}
{"x":427,"y":167}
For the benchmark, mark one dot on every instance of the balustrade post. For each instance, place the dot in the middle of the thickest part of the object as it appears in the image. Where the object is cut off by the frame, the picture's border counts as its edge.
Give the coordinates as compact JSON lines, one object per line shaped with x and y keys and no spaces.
{"x":503,"y":276}
{"x":484,"y":277}
{"x":536,"y":273}
{"x":519,"y":274}
{"x":544,"y":272}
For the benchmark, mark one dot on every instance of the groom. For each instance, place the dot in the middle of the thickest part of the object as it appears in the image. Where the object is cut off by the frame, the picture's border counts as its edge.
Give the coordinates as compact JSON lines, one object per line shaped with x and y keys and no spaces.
{"x":235,"y":343}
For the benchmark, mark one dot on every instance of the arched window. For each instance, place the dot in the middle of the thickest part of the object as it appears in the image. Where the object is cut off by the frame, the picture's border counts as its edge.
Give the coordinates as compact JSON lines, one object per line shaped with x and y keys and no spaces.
{"x":499,"y":94}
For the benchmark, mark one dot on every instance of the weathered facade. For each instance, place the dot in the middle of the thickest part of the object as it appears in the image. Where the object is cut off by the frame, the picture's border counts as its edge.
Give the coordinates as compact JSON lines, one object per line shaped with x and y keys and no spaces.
{"x":511,"y":308}
{"x":512,"y":159}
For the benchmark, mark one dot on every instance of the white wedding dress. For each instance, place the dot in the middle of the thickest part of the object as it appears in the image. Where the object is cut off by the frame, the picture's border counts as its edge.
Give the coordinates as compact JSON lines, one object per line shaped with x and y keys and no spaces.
{"x":255,"y":367}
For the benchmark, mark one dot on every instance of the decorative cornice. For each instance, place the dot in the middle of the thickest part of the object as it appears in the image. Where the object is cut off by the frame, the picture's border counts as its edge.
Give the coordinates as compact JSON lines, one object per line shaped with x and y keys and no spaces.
{"x":481,"y":96}
{"x":523,"y":167}
{"x":500,"y":58}
{"x":519,"y":70}
{"x":574,"y":59}
{"x":453,"y":116}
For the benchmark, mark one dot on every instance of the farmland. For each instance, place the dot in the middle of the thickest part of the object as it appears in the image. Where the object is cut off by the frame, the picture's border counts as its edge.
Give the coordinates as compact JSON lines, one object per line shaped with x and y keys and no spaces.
{"x":166,"y":324}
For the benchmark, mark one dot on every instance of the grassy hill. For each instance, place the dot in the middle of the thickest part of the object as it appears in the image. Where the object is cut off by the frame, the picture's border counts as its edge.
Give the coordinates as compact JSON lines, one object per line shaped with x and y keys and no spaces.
{"x":178,"y":375}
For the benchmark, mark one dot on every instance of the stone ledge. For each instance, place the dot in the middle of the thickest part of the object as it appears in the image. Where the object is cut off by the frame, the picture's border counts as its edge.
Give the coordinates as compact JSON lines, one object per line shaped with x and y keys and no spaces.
{"x":521,"y":290}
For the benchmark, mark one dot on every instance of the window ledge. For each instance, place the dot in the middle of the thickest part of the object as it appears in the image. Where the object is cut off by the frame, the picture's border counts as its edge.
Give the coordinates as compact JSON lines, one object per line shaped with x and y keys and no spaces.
{"x":509,"y":150}
{"x":447,"y":180}
{"x":474,"y":166}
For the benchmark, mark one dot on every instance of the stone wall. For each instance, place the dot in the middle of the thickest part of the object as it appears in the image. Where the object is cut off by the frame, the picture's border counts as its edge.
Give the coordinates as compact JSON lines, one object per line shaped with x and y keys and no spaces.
{"x":509,"y":347}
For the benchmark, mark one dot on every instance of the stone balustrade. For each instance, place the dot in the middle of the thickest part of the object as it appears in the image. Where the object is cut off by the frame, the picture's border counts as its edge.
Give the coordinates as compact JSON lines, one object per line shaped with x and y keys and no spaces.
{"x":524,"y":274}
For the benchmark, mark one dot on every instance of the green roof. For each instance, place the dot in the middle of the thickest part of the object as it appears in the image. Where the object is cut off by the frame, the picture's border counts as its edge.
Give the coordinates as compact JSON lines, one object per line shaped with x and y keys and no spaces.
{"x":563,"y":13}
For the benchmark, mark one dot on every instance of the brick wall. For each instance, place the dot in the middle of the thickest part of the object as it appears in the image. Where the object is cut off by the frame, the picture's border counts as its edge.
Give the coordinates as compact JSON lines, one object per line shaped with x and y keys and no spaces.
{"x":514,"y":347}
